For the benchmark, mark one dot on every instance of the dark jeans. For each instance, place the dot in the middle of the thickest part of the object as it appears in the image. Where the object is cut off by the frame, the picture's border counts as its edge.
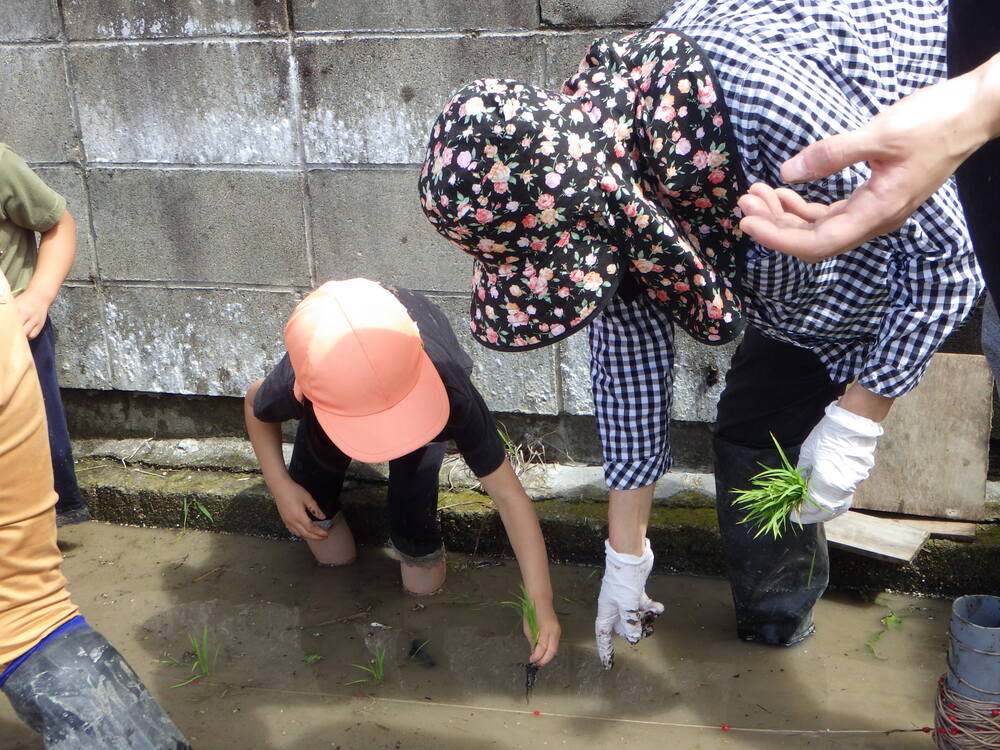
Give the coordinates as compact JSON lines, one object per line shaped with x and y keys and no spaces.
{"x":44,"y":353}
{"x":771,"y":388}
{"x":413,"y":491}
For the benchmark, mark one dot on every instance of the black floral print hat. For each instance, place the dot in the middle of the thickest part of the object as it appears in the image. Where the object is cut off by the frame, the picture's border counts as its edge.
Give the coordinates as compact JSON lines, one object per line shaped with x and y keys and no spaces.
{"x":632,"y":169}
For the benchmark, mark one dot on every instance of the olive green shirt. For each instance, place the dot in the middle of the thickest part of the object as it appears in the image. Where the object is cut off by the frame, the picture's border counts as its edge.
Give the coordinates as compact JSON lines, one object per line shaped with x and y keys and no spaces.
{"x":27,"y":205}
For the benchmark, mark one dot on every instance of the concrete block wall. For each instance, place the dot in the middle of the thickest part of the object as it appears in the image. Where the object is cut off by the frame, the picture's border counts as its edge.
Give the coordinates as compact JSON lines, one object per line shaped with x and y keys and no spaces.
{"x":222,"y":157}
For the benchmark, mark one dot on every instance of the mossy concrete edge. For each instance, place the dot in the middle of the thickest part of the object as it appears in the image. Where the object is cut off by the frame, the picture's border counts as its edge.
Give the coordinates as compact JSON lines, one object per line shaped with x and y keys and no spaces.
{"x":685,"y":538}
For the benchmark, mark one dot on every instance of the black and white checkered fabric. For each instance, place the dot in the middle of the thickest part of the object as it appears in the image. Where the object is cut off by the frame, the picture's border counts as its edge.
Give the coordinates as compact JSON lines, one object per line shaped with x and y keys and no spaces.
{"x":631,"y":374}
{"x":793,"y":72}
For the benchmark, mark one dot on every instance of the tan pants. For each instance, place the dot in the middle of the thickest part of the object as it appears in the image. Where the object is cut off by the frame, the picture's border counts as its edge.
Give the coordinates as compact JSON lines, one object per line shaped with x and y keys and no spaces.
{"x":33,"y":596}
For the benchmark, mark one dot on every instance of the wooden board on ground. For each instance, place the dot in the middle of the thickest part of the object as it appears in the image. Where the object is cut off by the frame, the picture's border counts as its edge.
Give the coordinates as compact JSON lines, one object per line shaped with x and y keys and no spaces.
{"x":880,"y":538}
{"x":932,"y":460}
{"x":959,"y":531}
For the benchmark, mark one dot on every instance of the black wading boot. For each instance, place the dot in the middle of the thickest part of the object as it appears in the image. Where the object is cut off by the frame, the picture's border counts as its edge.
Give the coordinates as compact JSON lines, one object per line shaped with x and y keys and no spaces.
{"x":775,"y":582}
{"x":80,"y":694}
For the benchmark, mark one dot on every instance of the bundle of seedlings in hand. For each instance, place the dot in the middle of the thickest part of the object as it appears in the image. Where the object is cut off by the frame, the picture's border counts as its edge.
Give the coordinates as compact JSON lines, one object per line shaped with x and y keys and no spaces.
{"x":775,"y":494}
{"x":526,"y":607}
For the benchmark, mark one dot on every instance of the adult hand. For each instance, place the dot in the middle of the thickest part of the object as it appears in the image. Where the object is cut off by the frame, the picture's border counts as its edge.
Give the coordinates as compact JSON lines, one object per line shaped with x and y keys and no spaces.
{"x":836,"y":457}
{"x":292,"y":501}
{"x":548,"y":635}
{"x":623,"y":608}
{"x":33,"y":309}
{"x":912,"y":148}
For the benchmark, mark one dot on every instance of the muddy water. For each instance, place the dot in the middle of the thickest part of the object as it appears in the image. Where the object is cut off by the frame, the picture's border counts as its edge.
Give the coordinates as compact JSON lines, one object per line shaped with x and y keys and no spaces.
{"x":288,"y":636}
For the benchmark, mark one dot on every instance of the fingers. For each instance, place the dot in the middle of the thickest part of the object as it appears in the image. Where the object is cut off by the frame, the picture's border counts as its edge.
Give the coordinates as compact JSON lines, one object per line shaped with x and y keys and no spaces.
{"x":823,"y":158}
{"x":547,"y":646}
{"x":605,"y":648}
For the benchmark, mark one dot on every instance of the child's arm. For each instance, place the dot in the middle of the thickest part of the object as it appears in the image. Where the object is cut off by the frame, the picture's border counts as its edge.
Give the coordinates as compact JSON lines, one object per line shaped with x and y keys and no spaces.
{"x":291,"y":499}
{"x":518,"y":516}
{"x":56,"y":252}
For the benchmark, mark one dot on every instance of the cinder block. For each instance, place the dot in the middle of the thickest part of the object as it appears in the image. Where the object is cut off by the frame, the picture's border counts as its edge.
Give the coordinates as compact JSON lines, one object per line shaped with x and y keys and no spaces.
{"x":29,"y":20}
{"x":212,"y":342}
{"x":81,"y":350}
{"x":574,"y":368}
{"x":510,"y":382}
{"x":195,"y":225}
{"x":369,"y":223}
{"x":68,"y":181}
{"x":373,"y":100}
{"x":130,"y":19}
{"x":574,"y":13}
{"x":564,"y":52}
{"x":220,"y":102}
{"x":699,"y":376}
{"x":319,"y":15}
{"x":36,"y":119}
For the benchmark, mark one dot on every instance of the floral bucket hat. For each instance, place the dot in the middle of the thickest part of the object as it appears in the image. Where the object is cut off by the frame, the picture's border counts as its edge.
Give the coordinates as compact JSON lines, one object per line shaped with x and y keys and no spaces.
{"x":631,"y":170}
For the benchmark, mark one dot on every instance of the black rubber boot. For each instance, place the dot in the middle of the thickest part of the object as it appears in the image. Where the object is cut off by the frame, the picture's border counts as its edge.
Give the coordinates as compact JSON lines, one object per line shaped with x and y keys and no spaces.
{"x":80,"y":694}
{"x":775,"y":582}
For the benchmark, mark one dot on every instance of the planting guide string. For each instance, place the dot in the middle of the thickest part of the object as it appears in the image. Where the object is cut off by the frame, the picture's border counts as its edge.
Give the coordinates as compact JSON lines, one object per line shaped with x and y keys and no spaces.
{"x":610,"y":719}
{"x":965,"y":723}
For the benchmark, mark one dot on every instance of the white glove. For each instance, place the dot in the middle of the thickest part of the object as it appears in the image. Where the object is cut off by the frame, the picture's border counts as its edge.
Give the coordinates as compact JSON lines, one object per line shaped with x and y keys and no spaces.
{"x":623,"y":606}
{"x":836,"y":457}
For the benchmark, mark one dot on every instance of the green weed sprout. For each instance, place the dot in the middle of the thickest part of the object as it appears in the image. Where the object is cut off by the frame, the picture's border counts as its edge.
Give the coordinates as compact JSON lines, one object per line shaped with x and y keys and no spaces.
{"x":201,"y":509}
{"x":376,"y":671}
{"x":525,"y":605}
{"x":204,"y":658}
{"x":776,"y":493}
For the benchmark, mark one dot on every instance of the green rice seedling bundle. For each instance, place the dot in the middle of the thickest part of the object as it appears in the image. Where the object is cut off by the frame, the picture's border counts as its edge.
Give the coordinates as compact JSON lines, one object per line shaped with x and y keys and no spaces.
{"x":776,"y":493}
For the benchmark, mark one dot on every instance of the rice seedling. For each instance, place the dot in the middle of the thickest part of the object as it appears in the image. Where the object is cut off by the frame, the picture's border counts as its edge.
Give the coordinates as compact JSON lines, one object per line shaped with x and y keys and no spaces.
{"x":776,"y":493}
{"x":313,"y":658}
{"x":525,"y":606}
{"x":204,"y":658}
{"x":375,"y":670}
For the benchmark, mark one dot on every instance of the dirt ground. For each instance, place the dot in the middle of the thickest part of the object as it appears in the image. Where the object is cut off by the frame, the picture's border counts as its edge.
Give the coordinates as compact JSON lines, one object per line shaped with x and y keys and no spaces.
{"x":288,"y":636}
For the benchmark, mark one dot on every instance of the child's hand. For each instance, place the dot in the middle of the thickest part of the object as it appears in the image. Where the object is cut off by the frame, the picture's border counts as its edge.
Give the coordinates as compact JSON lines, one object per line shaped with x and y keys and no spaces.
{"x":33,"y":310}
{"x":292,"y":500}
{"x":548,"y":635}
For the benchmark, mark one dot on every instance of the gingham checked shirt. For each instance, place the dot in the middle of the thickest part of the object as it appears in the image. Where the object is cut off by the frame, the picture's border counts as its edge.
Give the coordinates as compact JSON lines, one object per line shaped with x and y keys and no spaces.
{"x":796,"y":71}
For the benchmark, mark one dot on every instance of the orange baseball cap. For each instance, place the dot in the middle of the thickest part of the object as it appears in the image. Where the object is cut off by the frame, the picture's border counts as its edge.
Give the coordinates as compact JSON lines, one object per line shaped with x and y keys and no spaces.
{"x":358,"y":357}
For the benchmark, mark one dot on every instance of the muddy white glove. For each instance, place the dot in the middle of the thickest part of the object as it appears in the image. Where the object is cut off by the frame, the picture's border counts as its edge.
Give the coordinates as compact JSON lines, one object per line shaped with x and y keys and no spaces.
{"x":836,"y":457}
{"x":623,"y":606}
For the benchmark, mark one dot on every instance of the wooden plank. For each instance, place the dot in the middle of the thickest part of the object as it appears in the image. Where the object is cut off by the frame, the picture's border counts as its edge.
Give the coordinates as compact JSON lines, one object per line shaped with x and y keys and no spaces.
{"x":932,"y":460}
{"x":880,"y":538}
{"x":959,"y":531}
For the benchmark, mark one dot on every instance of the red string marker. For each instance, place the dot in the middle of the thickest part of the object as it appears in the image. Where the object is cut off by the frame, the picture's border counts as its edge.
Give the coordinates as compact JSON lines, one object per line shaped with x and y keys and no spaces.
{"x":537,"y":713}
{"x":725,"y":727}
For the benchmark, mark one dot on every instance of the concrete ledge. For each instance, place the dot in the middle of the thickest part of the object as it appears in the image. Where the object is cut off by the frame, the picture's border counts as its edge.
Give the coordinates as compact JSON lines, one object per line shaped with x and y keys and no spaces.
{"x":685,"y":536}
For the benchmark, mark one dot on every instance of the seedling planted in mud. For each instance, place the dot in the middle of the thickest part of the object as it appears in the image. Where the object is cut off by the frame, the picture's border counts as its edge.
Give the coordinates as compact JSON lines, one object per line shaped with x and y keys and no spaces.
{"x":776,"y":493}
{"x":204,"y":658}
{"x":376,"y":670}
{"x":525,"y":605}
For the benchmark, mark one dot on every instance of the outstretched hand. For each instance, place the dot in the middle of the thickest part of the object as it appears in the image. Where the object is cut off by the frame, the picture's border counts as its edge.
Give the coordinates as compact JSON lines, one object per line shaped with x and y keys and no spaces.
{"x":623,"y":608}
{"x":911,"y":148}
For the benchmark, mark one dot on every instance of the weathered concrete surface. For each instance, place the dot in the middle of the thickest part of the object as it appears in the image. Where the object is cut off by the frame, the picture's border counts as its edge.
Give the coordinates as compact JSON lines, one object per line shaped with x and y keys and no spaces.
{"x":684,"y":533}
{"x":130,"y":19}
{"x":68,"y":181}
{"x":36,"y":119}
{"x":29,"y":20}
{"x":373,"y":100}
{"x":222,"y":102}
{"x":192,"y":225}
{"x":321,"y":15}
{"x":209,"y":341}
{"x":599,"y":13}
{"x":347,"y":205}
{"x":81,"y":346}
{"x":937,"y":442}
{"x":288,"y":634}
{"x":522,"y":381}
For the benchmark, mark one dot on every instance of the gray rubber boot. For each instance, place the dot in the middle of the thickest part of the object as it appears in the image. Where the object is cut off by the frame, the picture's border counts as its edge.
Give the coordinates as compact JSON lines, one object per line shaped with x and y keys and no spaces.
{"x":80,"y":694}
{"x":775,"y":582}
